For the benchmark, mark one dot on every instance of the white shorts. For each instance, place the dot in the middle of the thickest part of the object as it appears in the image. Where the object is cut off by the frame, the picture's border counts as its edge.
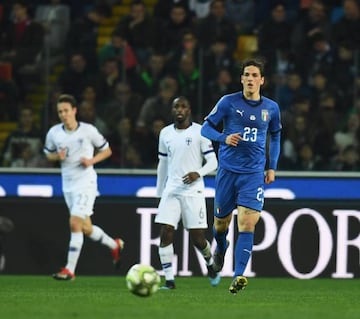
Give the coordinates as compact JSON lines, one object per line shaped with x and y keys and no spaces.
{"x":81,"y":202}
{"x":190,"y":209}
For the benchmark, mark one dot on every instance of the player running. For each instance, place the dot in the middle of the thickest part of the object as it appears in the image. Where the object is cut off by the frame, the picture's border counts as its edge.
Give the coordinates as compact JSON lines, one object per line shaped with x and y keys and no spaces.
{"x":247,"y":118}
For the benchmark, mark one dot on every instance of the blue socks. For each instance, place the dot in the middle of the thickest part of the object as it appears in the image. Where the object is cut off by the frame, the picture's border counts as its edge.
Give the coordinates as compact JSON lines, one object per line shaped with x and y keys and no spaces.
{"x":243,"y":249}
{"x":220,"y":240}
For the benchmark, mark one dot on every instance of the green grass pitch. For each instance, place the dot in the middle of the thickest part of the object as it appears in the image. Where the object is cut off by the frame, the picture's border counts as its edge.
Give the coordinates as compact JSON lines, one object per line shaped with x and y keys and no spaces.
{"x":41,"y":297}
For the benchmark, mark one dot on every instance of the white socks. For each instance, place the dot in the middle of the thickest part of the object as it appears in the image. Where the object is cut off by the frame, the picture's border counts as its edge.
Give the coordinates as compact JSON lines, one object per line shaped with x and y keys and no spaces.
{"x":166,"y":256}
{"x":206,"y":252}
{"x":75,"y":245}
{"x":99,"y":235}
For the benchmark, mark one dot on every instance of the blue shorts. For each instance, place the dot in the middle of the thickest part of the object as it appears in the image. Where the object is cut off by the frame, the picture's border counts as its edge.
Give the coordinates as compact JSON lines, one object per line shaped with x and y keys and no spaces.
{"x":235,"y":189}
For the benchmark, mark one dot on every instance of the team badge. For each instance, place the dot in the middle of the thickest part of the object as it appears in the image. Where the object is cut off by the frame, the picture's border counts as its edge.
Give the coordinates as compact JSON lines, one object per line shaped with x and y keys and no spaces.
{"x":265,"y":115}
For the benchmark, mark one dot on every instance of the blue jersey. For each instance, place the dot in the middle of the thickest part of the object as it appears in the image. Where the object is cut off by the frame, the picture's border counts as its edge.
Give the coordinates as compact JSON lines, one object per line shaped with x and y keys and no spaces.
{"x":253,"y":120}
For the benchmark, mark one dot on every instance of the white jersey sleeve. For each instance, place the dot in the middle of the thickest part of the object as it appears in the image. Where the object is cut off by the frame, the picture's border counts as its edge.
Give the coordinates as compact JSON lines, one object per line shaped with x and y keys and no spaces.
{"x":208,"y":152}
{"x":162,"y":166}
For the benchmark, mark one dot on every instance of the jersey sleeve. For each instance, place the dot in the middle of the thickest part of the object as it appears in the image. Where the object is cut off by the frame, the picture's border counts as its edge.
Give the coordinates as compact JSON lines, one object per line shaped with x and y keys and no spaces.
{"x":208,"y":152}
{"x":274,"y":145}
{"x":162,"y":151}
{"x":162,"y":166}
{"x":49,"y":145}
{"x":97,"y":139}
{"x":218,"y":113}
{"x":275,"y":121}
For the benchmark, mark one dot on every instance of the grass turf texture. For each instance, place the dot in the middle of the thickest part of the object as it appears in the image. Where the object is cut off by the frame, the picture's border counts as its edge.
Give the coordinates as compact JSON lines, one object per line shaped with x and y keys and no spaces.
{"x":40,"y":297}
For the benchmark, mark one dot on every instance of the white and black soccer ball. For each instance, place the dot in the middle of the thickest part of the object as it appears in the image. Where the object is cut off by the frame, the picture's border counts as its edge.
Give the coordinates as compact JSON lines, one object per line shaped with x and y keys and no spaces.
{"x":142,"y":280}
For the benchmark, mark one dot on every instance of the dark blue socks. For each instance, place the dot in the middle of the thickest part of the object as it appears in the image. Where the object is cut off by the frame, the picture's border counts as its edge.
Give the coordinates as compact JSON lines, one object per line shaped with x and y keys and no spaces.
{"x":220,"y":240}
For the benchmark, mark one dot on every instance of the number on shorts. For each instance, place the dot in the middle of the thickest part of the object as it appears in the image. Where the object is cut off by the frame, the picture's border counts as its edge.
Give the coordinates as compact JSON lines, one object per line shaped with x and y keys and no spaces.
{"x":260,"y":195}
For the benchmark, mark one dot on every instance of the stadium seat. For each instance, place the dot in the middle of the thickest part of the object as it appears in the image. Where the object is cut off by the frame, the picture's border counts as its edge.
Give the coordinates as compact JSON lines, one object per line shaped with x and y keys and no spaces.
{"x":120,"y":10}
{"x":150,"y":3}
{"x":7,"y":126}
{"x":5,"y":129}
{"x":102,"y":40}
{"x":105,"y":30}
{"x":246,"y":46}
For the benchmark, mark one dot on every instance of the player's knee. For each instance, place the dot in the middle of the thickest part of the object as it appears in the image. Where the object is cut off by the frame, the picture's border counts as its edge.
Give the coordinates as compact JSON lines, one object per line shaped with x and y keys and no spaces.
{"x":76,"y":224}
{"x":220,"y":228}
{"x":221,"y":225}
{"x":246,"y":225}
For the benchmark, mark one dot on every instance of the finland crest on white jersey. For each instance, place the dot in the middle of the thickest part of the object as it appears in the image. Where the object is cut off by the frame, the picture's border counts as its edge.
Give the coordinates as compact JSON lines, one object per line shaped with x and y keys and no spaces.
{"x":184,"y":150}
{"x":80,"y":143}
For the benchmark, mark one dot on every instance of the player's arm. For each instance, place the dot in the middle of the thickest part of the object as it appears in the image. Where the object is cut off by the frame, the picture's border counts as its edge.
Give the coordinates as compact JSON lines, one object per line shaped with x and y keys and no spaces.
{"x":209,"y":130}
{"x":210,"y":163}
{"x":101,"y":146}
{"x":209,"y":127}
{"x":161,"y":174}
{"x":56,"y":156}
{"x":50,"y":150}
{"x":274,"y":144}
{"x":274,"y":153}
{"x":162,"y":168}
{"x":209,"y":166}
{"x":100,"y":156}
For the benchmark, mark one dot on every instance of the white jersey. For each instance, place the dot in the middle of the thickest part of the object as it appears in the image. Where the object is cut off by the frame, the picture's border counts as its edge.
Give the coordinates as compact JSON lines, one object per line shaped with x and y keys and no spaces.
{"x":184,"y":151}
{"x":78,"y":144}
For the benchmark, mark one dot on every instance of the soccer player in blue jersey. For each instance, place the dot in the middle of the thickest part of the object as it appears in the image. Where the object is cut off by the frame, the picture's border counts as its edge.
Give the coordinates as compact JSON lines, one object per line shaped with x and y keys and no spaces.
{"x":248,"y":119}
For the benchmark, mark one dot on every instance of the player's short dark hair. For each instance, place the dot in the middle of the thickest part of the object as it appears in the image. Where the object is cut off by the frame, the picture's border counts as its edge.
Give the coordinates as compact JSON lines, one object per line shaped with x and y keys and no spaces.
{"x":259,"y":63}
{"x":181,"y":98}
{"x":67,"y":98}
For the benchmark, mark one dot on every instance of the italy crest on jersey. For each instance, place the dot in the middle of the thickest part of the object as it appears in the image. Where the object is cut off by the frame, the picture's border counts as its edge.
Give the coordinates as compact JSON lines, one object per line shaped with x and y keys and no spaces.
{"x":265,"y":115}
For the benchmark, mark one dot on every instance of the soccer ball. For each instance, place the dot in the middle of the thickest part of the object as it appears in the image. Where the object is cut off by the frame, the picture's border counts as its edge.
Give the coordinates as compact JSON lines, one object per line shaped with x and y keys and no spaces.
{"x":142,"y":280}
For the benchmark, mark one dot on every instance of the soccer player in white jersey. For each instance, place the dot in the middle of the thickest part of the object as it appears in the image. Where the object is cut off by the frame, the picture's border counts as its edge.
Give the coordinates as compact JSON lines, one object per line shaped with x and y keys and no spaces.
{"x":180,"y":185}
{"x":248,"y":119}
{"x":78,"y":146}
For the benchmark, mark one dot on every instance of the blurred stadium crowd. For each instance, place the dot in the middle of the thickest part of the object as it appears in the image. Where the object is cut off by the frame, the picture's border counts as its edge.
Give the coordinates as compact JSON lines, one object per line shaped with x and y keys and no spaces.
{"x":126,"y":60}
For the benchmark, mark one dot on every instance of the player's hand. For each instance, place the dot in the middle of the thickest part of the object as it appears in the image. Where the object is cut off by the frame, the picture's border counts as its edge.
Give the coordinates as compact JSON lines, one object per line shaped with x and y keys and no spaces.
{"x":62,"y":154}
{"x":86,"y":162}
{"x":269,"y":176}
{"x":233,"y":139}
{"x":190,"y":177}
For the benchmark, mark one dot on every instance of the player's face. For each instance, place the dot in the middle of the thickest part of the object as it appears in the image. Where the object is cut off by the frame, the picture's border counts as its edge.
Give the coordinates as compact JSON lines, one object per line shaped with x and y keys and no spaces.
{"x":181,"y":110}
{"x":251,"y":80}
{"x":66,"y":113}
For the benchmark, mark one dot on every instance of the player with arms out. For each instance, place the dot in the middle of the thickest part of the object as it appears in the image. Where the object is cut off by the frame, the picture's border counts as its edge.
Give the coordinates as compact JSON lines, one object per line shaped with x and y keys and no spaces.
{"x":78,"y":147}
{"x":184,"y":158}
{"x":248,"y":118}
